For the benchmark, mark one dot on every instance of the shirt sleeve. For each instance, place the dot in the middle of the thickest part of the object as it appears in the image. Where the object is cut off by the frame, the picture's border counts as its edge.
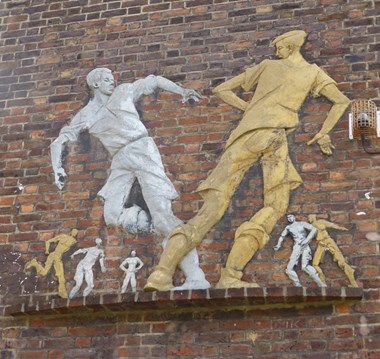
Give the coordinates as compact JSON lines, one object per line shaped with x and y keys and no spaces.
{"x":72,"y":131}
{"x":144,"y":86}
{"x":321,"y":81}
{"x":252,"y":75}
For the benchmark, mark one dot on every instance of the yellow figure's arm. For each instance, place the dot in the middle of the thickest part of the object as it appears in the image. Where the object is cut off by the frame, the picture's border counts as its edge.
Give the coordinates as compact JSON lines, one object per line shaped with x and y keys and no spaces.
{"x":49,"y":241}
{"x":340,"y":103}
{"x":225,"y":92}
{"x":335,"y":226}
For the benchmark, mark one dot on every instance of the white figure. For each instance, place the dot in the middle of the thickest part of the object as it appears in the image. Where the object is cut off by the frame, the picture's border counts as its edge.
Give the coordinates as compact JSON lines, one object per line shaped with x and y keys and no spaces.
{"x":302,"y":233}
{"x":134,"y":265}
{"x":111,"y":116}
{"x":84,"y":268}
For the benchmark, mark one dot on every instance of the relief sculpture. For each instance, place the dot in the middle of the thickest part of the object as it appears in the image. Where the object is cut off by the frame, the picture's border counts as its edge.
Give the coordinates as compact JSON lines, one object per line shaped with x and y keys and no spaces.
{"x":326,"y":244}
{"x":281,"y":86}
{"x":111,"y":116}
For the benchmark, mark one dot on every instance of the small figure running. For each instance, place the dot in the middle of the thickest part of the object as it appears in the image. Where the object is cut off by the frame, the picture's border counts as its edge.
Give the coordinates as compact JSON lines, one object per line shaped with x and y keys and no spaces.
{"x":84,"y":268}
{"x":302,"y":233}
{"x":64,"y":243}
{"x":326,"y":243}
{"x":134,"y":265}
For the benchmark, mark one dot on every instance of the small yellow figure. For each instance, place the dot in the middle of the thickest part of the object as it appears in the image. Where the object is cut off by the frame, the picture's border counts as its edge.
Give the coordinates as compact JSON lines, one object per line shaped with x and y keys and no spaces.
{"x":326,"y":243}
{"x":64,"y":243}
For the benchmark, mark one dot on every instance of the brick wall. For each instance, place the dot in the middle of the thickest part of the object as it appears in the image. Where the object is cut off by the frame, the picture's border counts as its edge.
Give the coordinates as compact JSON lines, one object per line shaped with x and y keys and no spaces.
{"x":48,"y":47}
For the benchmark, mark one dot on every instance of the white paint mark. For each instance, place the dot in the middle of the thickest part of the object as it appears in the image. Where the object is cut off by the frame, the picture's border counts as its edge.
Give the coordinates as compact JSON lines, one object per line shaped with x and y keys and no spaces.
{"x":361,"y":213}
{"x":363,"y":326}
{"x":368,"y":195}
{"x":373,"y":236}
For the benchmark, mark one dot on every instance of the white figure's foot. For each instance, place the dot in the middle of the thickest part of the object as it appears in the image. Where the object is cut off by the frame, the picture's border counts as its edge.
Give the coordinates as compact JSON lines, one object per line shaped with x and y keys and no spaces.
{"x":193,"y":284}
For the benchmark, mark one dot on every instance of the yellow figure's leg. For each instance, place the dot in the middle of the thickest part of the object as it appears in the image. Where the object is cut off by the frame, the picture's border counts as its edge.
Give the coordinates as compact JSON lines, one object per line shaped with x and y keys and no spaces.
{"x":339,"y":258}
{"x":317,"y":259}
{"x":253,"y":235}
{"x":279,"y":176}
{"x":59,"y":272}
{"x":40,"y":269}
{"x":184,"y":238}
{"x":216,"y":192}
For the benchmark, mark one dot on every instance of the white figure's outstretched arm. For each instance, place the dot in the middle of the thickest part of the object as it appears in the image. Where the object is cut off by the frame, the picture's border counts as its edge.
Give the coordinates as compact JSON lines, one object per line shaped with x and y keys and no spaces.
{"x":79,"y":251}
{"x":67,"y":134}
{"x":151,"y":83}
{"x":56,"y":149}
{"x":281,"y":239}
{"x":101,"y":261}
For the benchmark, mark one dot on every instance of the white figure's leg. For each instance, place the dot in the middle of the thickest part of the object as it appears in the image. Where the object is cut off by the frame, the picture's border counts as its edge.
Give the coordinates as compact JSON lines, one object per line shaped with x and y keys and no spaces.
{"x":125,"y":283}
{"x":78,"y":281}
{"x":290,"y":268}
{"x":309,"y":269}
{"x":133,"y":282}
{"x":115,"y":192}
{"x":89,"y":277}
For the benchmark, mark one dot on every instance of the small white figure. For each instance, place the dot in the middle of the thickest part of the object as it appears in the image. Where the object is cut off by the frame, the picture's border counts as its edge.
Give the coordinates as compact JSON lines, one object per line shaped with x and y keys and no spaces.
{"x":302,"y":233}
{"x":134,"y":265}
{"x":84,"y":268}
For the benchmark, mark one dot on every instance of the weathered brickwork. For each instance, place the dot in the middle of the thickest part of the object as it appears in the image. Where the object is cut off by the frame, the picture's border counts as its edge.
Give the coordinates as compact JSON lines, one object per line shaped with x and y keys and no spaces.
{"x":46,"y":50}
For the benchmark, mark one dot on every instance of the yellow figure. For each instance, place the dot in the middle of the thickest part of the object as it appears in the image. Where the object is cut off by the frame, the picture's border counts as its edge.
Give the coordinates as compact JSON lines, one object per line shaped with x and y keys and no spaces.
{"x":281,"y":87}
{"x":326,"y":243}
{"x":64,"y":242}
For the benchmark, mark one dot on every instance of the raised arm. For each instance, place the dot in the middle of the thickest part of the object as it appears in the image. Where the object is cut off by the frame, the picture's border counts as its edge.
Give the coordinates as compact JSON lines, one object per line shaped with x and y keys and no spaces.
{"x":340,"y":103}
{"x":151,"y":83}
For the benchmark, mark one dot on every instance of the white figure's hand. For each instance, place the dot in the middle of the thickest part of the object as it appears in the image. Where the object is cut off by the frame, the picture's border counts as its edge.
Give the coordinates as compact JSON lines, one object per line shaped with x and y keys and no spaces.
{"x":60,"y":177}
{"x":189,"y":94}
{"x":276,"y":248}
{"x":103,"y":269}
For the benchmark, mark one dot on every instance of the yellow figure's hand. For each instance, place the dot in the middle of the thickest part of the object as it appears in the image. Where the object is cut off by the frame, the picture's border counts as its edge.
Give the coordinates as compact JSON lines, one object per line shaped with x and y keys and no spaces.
{"x":324,"y":143}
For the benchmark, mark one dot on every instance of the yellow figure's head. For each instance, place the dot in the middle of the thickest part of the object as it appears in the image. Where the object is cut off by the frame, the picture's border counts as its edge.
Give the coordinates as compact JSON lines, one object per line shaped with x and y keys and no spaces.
{"x":74,"y":232}
{"x":286,"y":44}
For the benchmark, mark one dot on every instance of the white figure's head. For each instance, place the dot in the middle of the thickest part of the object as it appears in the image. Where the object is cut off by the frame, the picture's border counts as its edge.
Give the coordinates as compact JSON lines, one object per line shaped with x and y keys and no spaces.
{"x":133,"y":253}
{"x":288,"y":43}
{"x":291,"y":218}
{"x":98,"y":242}
{"x":102,"y":80}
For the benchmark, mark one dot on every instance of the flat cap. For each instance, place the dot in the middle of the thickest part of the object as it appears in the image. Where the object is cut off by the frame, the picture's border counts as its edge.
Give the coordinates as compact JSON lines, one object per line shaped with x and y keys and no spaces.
{"x":296,"y":37}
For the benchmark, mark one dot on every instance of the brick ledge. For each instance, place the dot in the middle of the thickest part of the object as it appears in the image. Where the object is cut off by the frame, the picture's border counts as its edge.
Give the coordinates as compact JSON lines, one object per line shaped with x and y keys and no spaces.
{"x":189,"y":300}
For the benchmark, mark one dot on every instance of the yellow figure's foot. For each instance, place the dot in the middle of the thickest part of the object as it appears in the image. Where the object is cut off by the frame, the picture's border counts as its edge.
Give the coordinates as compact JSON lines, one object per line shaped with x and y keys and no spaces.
{"x":159,"y":281}
{"x":30,"y":264}
{"x":229,"y":280}
{"x":63,"y":294}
